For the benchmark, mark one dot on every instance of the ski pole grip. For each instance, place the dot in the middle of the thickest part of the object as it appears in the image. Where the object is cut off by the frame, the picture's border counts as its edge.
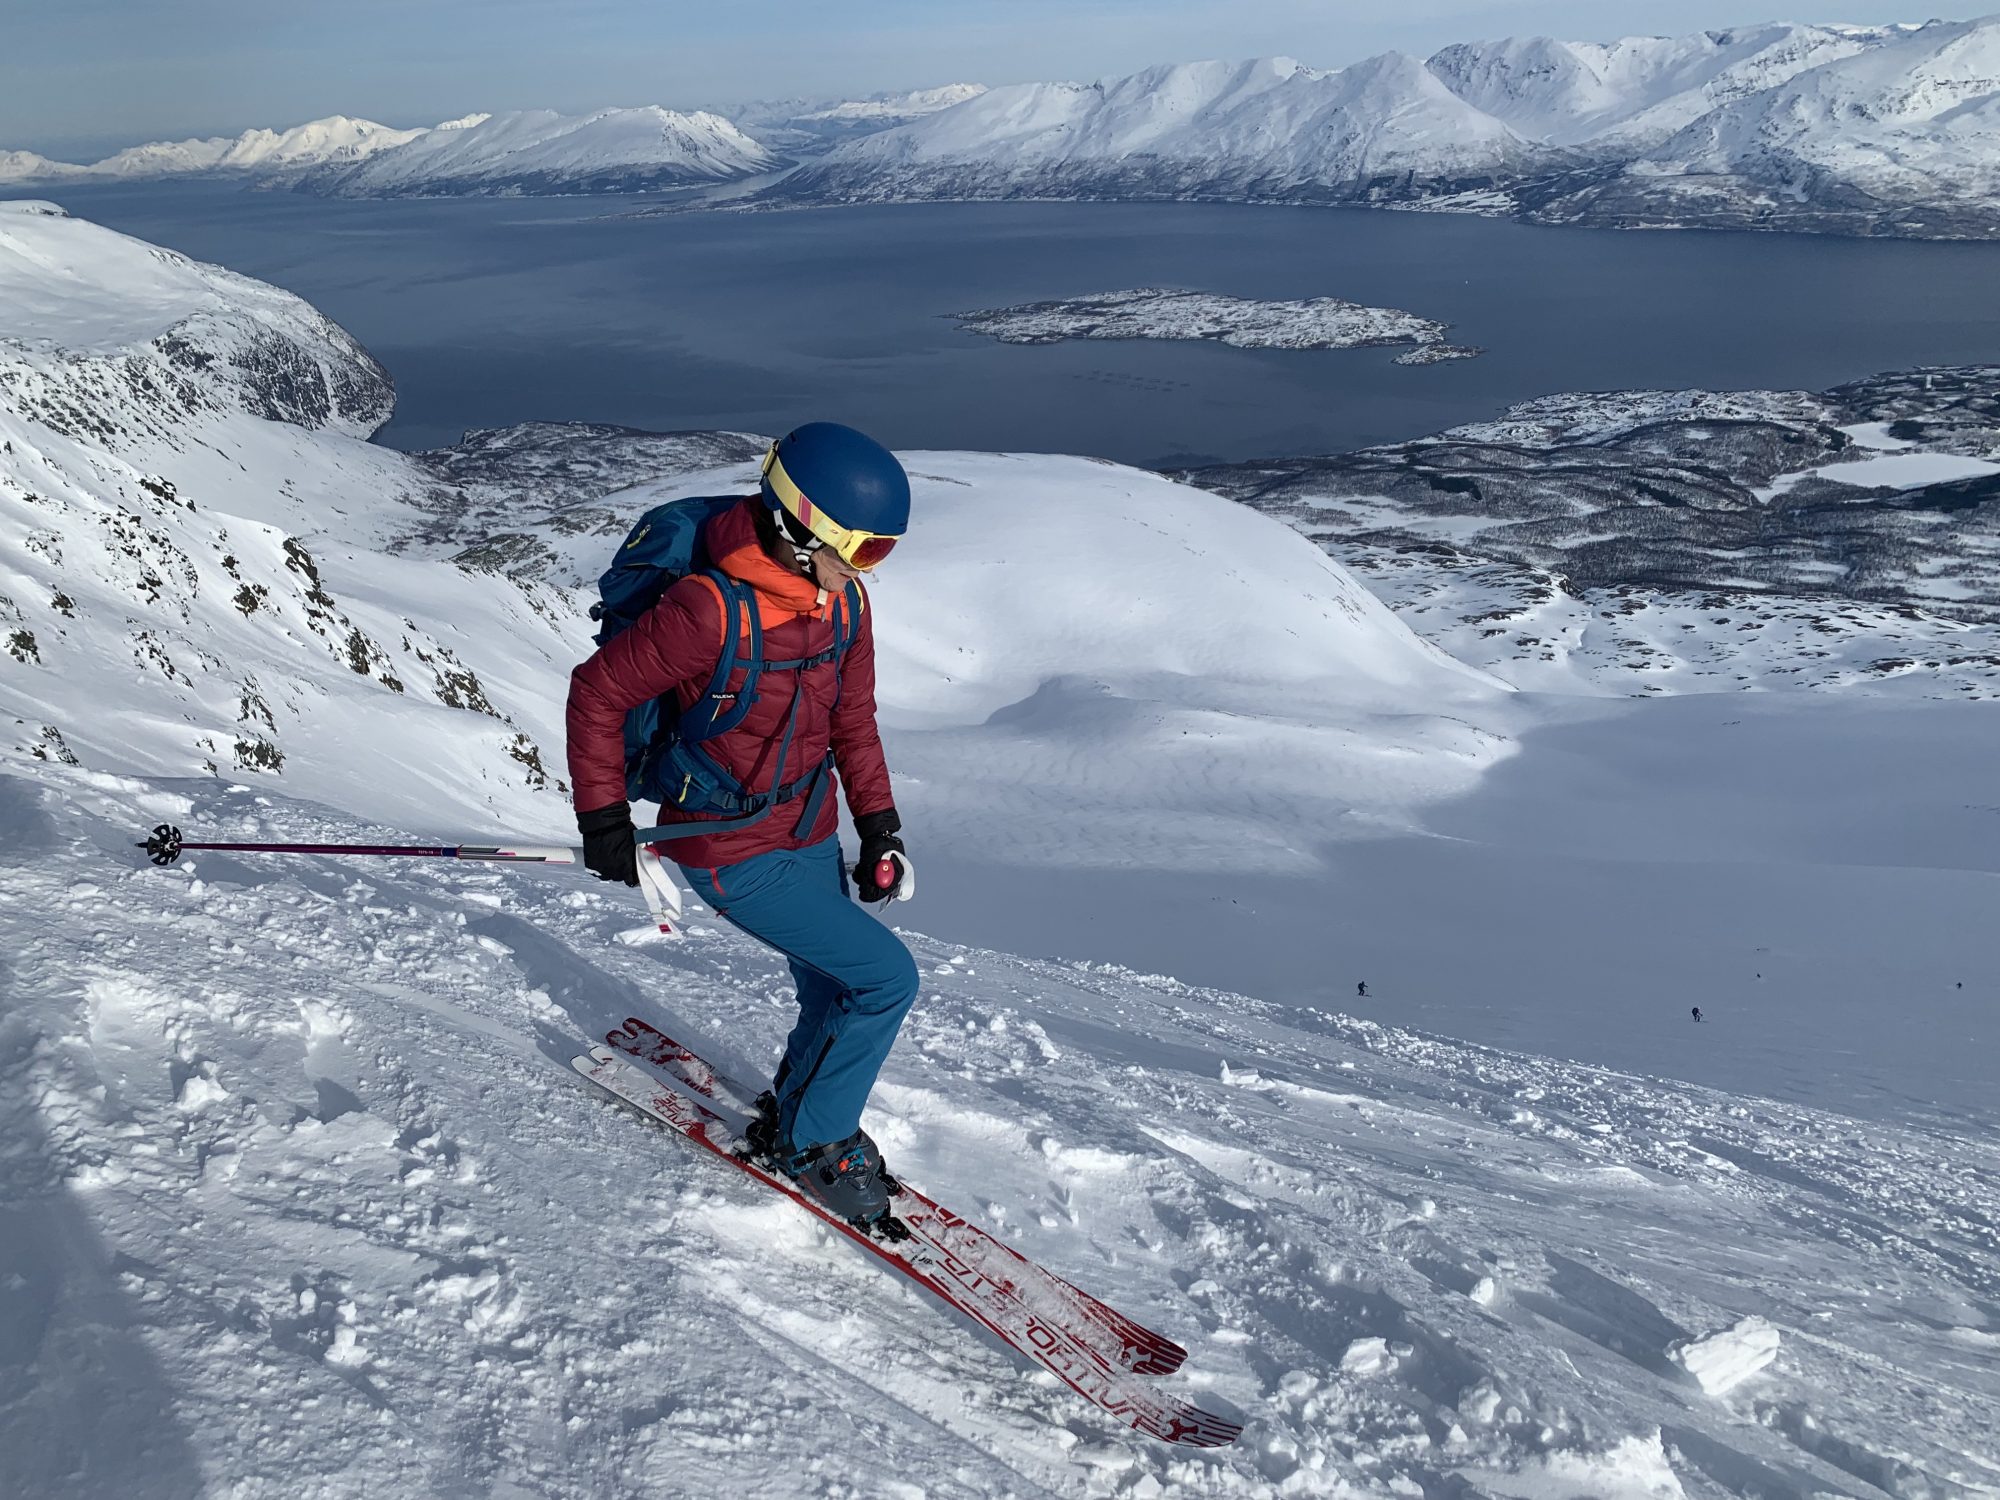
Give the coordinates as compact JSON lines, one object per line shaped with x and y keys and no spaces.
{"x":886,"y":875}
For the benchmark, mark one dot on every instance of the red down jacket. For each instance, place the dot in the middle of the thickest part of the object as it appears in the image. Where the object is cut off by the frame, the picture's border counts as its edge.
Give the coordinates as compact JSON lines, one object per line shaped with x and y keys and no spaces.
{"x":675,"y":648}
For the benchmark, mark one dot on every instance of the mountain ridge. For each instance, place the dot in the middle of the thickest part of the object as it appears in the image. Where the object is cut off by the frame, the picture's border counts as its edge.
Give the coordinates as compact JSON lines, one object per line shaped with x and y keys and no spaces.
{"x":1750,"y":129}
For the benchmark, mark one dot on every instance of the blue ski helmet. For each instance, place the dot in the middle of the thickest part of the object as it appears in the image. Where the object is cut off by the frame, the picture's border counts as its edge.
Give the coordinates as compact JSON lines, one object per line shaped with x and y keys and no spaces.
{"x":833,"y":471}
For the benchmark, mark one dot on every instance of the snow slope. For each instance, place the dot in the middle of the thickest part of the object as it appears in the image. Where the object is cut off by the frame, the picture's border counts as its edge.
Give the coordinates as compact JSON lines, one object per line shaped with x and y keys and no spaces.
{"x":193,"y":528}
{"x":303,"y":1202}
{"x":540,"y":151}
{"x":298,"y":1196}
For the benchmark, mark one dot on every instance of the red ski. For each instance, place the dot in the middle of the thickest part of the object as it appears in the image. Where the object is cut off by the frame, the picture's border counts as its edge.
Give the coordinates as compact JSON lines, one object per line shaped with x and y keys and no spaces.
{"x":1131,"y":1345}
{"x":1006,"y":1307}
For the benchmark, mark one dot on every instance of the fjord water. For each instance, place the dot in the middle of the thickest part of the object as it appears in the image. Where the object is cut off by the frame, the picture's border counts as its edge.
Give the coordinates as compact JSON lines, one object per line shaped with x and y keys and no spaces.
{"x":489,"y":312}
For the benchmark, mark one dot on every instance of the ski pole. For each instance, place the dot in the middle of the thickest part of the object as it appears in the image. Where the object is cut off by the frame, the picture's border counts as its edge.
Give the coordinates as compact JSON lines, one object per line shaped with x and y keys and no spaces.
{"x":663,"y":896}
{"x":165,"y":846}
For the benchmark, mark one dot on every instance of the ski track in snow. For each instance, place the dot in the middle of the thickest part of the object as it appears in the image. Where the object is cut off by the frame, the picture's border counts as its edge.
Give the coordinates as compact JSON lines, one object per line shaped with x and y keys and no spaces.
{"x":348,"y":1223}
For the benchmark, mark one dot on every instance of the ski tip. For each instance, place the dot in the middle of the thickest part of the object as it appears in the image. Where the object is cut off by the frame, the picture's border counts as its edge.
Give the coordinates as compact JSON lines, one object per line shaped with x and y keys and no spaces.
{"x":1191,"y":1427}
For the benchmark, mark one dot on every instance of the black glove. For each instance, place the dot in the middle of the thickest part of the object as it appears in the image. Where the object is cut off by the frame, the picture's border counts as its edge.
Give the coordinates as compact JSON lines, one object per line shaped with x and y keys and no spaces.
{"x":609,"y":849}
{"x":878,"y":842}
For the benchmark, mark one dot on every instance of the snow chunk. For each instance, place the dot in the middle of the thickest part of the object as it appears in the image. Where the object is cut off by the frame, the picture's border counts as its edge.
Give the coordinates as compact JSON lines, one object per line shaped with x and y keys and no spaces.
{"x":1634,"y":1469}
{"x":1368,"y":1357}
{"x":1726,"y":1359}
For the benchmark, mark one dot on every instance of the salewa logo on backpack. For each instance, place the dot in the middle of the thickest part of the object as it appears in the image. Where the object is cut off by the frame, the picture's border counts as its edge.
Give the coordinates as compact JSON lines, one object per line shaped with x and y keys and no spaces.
{"x":664,"y":759}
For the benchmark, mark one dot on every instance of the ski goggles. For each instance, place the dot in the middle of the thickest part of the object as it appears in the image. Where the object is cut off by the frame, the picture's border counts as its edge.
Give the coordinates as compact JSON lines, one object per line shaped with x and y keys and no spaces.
{"x":857,"y":548}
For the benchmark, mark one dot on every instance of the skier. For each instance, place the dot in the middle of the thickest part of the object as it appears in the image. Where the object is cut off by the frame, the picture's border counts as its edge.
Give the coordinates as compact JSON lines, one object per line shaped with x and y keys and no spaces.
{"x":831,"y":504}
{"x":1697,"y":1013}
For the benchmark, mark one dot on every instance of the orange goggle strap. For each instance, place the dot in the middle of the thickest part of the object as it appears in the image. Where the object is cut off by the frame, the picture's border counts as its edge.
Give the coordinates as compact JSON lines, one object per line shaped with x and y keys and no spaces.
{"x":853,"y":546}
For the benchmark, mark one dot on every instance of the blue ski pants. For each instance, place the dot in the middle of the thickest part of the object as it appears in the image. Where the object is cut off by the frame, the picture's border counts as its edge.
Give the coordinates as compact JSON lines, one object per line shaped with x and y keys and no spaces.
{"x":856,"y":981}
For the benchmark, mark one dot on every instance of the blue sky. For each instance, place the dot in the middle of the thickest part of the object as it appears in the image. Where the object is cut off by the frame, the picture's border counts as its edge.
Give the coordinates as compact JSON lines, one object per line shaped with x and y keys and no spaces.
{"x":82,"y":77}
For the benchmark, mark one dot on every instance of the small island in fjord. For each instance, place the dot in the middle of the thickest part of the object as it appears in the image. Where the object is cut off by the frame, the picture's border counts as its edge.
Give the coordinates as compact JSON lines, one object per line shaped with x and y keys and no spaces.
{"x":1248,"y":323}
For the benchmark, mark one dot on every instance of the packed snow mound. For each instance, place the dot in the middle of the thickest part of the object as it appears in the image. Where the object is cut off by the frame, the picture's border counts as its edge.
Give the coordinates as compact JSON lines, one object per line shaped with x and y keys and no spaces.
{"x":1061,"y":566}
{"x":541,"y":151}
{"x":92,"y":322}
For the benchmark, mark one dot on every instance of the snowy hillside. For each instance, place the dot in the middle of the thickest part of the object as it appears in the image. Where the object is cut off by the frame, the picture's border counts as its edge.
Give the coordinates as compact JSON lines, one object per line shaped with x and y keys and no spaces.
{"x":186,"y":496}
{"x":299,"y":1197}
{"x":1832,"y":129}
{"x":540,"y":151}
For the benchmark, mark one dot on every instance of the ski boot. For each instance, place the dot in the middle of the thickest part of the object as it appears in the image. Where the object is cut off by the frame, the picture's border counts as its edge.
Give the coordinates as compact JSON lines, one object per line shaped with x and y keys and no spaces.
{"x":760,"y":1142}
{"x":847,"y":1179}
{"x":760,"y":1136}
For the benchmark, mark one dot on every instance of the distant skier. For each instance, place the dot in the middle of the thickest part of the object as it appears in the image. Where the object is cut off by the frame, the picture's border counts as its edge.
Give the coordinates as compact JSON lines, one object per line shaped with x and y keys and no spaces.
{"x":832,"y":504}
{"x":1697,"y":1013}
{"x":1361,"y":990}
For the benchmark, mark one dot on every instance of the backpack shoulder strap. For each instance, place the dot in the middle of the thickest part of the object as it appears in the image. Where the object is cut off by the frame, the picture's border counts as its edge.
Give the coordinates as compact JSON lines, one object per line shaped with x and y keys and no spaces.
{"x":720,"y":710}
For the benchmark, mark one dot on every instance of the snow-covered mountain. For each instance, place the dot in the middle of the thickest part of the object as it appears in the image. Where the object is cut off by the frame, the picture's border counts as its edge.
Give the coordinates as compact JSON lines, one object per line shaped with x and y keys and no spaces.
{"x":1267,"y":129}
{"x":896,"y":107}
{"x":1900,"y":137}
{"x":332,"y":140}
{"x":527,"y":151}
{"x":253,"y":154}
{"x":298,"y":1196}
{"x":1835,"y":129}
{"x":1634,"y":92}
{"x":808,"y":127}
{"x":540,"y":151}
{"x":28,"y":166}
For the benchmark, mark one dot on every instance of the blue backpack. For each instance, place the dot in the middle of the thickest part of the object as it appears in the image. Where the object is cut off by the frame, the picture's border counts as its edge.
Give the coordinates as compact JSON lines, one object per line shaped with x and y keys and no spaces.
{"x":664,"y":758}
